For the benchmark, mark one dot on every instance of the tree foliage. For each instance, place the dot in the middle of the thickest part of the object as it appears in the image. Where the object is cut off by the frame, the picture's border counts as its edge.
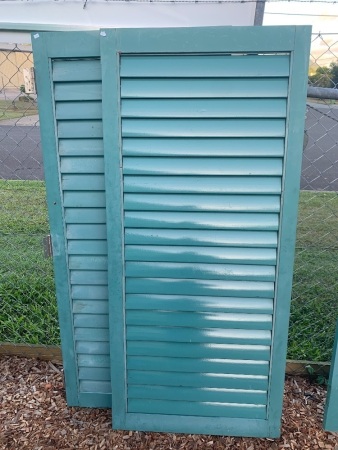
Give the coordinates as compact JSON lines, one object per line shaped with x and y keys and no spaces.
{"x":326,"y":77}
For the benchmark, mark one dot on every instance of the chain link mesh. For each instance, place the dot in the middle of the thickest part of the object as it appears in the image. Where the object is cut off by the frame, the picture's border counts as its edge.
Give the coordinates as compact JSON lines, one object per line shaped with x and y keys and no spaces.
{"x":28,"y":312}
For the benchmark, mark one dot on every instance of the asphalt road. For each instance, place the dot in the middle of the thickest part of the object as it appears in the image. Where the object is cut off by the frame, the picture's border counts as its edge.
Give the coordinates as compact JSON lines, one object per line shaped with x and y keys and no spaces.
{"x":20,"y":152}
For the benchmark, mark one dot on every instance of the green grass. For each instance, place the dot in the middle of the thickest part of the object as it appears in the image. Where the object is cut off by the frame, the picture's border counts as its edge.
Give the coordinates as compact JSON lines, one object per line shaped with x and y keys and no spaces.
{"x":28,"y":312}
{"x":16,"y":109}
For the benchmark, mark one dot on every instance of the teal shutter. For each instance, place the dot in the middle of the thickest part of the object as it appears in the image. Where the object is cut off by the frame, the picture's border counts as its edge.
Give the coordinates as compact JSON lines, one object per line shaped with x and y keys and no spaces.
{"x":68,"y":75}
{"x":331,"y":408}
{"x":203,"y":133}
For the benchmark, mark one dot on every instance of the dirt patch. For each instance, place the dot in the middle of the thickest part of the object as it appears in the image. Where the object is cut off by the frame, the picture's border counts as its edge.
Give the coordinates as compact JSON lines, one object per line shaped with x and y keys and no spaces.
{"x":34,"y":416}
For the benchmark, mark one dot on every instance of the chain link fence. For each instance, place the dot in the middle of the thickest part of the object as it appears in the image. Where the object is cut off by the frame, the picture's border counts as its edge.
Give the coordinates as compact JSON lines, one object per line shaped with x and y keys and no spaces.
{"x":28,"y":312}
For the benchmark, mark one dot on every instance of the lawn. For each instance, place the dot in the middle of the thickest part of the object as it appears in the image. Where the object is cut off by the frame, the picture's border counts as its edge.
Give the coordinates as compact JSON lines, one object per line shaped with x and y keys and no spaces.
{"x":16,"y":109}
{"x":28,"y":312}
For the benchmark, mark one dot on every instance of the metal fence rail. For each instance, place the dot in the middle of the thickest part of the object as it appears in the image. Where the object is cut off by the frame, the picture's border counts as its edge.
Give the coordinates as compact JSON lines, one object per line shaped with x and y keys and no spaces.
{"x":28,"y":312}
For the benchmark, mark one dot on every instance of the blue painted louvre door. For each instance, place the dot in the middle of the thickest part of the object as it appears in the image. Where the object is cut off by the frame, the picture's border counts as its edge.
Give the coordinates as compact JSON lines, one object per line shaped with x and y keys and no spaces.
{"x":203,"y":136}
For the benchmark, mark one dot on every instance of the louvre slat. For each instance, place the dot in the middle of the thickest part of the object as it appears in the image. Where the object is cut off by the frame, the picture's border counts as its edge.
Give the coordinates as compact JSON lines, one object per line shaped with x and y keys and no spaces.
{"x":197,"y":408}
{"x":199,"y":320}
{"x":94,"y":373}
{"x":82,"y":91}
{"x":260,"y":289}
{"x":212,"y":238}
{"x":83,"y":182}
{"x":191,"y":128}
{"x":91,"y":321}
{"x":193,"y":350}
{"x":80,"y":199}
{"x":90,"y":293}
{"x":84,"y":165}
{"x":219,"y":147}
{"x":86,"y":231}
{"x":93,"y":348}
{"x":95,"y":387}
{"x":92,"y":306}
{"x":207,"y":335}
{"x":94,"y":334}
{"x":86,"y":247}
{"x":80,"y":147}
{"x":90,"y":277}
{"x":236,"y":366}
{"x":85,"y":215}
{"x":77,"y":70}
{"x":88,"y":262}
{"x":199,"y":271}
{"x":207,"y":185}
{"x":199,"y":380}
{"x":192,"y":108}
{"x":212,"y":66}
{"x":82,"y":110}
{"x":79,"y":129}
{"x":195,"y":203}
{"x":199,"y":88}
{"x":202,"y":166}
{"x":197,"y":394}
{"x":199,"y":303}
{"x":191,"y":220}
{"x":200,"y":254}
{"x":98,"y":360}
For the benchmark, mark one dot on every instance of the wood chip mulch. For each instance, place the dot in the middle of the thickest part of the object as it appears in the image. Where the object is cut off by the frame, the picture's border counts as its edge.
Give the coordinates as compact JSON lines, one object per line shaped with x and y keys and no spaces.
{"x":34,"y":415}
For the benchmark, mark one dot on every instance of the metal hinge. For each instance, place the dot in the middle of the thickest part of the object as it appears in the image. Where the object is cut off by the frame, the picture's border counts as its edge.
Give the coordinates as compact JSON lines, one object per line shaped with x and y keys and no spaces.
{"x":47,"y":246}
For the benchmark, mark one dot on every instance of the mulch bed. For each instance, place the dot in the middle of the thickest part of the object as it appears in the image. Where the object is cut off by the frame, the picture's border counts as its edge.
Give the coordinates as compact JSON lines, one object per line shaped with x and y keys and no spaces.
{"x":34,"y":415}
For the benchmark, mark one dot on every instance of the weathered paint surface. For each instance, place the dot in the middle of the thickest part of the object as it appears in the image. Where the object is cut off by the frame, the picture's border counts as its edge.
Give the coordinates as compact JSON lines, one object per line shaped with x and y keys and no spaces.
{"x":331,"y":409}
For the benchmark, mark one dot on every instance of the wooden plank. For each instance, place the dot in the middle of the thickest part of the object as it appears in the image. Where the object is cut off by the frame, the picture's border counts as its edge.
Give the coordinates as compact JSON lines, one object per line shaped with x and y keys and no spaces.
{"x":202,"y":166}
{"x":85,"y":247}
{"x":263,"y":239}
{"x":91,"y":306}
{"x":206,"y":185}
{"x":200,"y":88}
{"x":86,"y":231}
{"x":89,"y":292}
{"x":80,"y":91}
{"x":206,"y":335}
{"x":260,"y":147}
{"x":44,"y":352}
{"x":220,"y":288}
{"x":211,"y":380}
{"x":197,"y":394}
{"x":83,"y":182}
{"x":85,"y":215}
{"x":79,"y":129}
{"x":193,"y":108}
{"x":195,"y":203}
{"x":236,"y":366}
{"x":85,"y":360}
{"x":194,"y":128}
{"x":93,"y":348}
{"x":196,"y":350}
{"x":80,"y":164}
{"x":217,"y":255}
{"x":77,"y":70}
{"x":97,"y":388}
{"x":87,"y":262}
{"x":199,"y":303}
{"x":197,"y":409}
{"x":192,"y":220}
{"x":89,"y":277}
{"x":91,"y":320}
{"x":94,"y":374}
{"x":79,"y":199}
{"x":78,"y":110}
{"x":245,"y":272}
{"x":94,"y":334}
{"x":210,"y":66}
{"x":80,"y":147}
{"x":199,"y":319}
